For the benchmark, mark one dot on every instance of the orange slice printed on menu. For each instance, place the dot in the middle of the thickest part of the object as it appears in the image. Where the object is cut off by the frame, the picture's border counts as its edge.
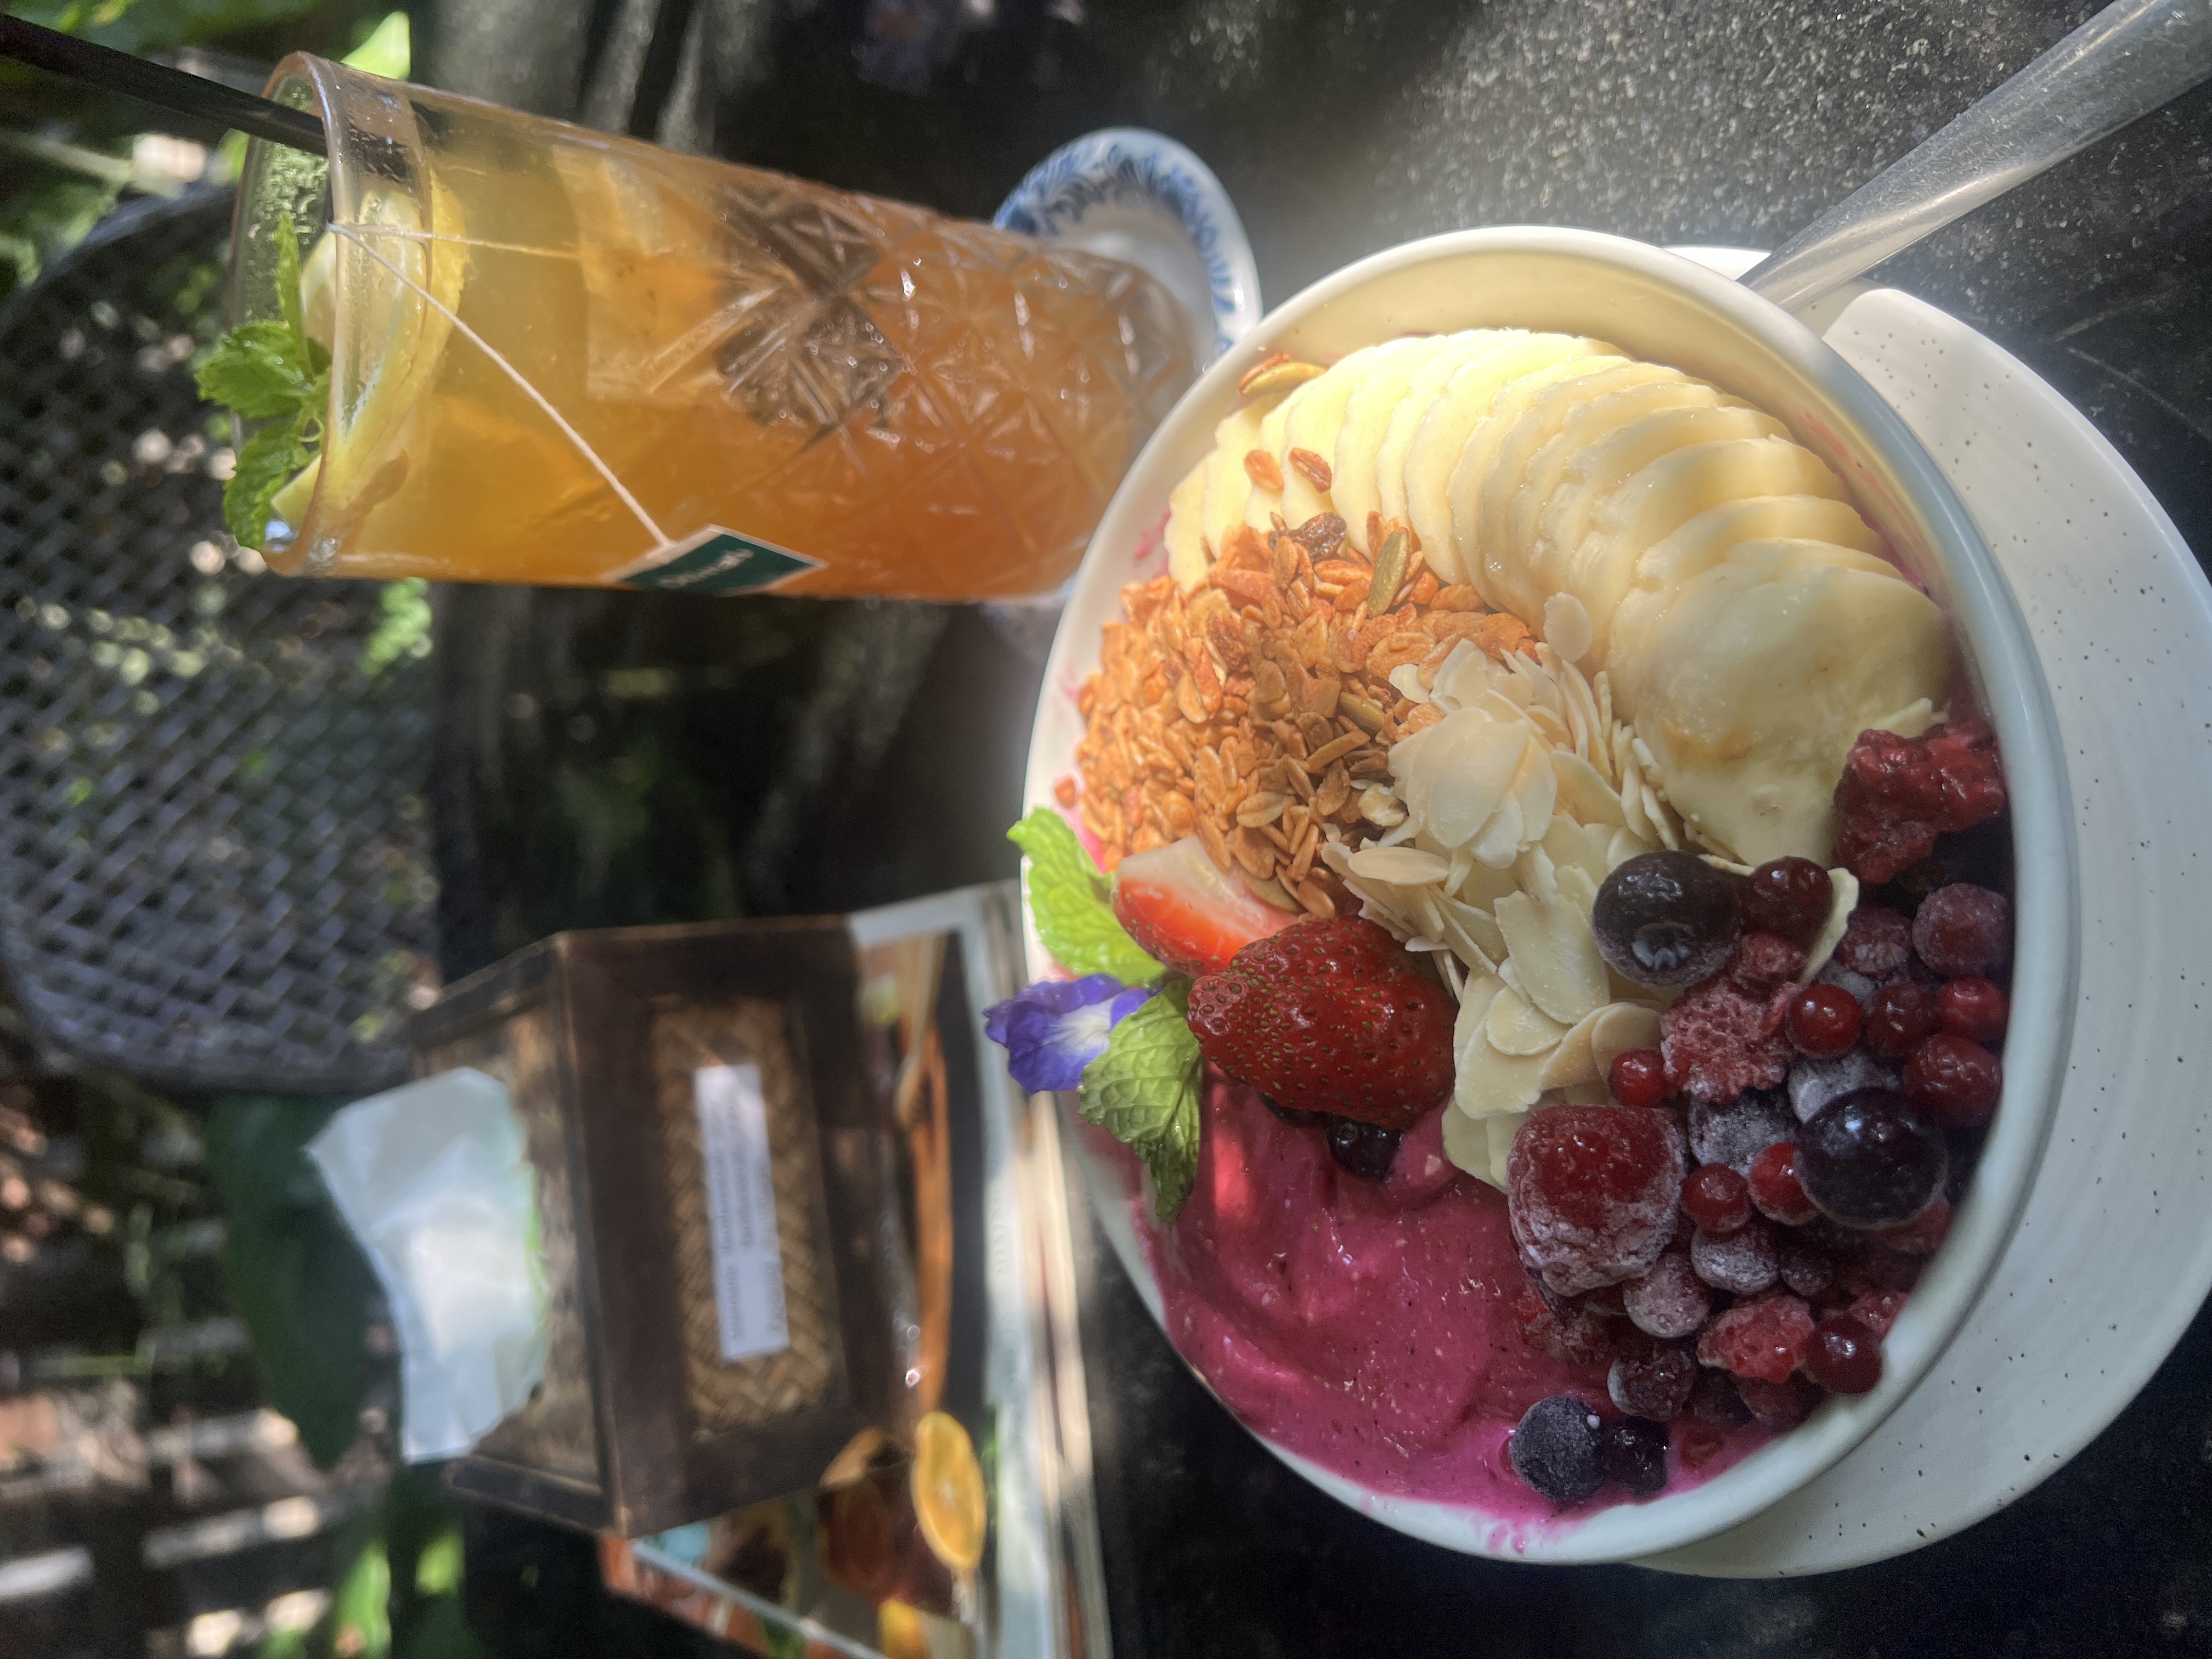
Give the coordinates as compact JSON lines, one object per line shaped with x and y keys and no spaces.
{"x":949,"y":1499}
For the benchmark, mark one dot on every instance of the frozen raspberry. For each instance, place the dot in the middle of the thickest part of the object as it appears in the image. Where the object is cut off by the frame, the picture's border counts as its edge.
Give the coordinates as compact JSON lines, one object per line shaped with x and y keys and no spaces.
{"x":1958,"y":1082}
{"x":1814,"y":1082}
{"x":1717,"y":1199}
{"x":1806,"y":1269}
{"x":1592,"y":1191}
{"x":1920,"y":1235}
{"x":1742,"y":1264}
{"x":1577,"y":1337}
{"x":1963,"y":929}
{"x":1846,"y":1357}
{"x":1974,"y":1008}
{"x":1714,"y":1399}
{"x":1790,"y":896}
{"x":1763,"y":1340}
{"x":1877,"y":942}
{"x":1764,"y":963}
{"x":1637,"y":1078}
{"x":1604,"y":1302}
{"x":1655,"y":1385}
{"x":1897,"y":794}
{"x":1739,"y":1132}
{"x":1634,"y":1453}
{"x":1556,"y":1449}
{"x":1902,"y":1019}
{"x":1781,"y":1405}
{"x":1670,"y":1301}
{"x":1877,"y":1311}
{"x":1773,"y":1181}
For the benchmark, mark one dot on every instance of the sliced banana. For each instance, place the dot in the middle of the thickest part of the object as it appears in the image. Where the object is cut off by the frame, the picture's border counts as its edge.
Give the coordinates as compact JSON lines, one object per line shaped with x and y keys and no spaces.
{"x":1421,"y":391}
{"x":1313,"y":415}
{"x":1228,"y":488}
{"x":1185,"y":535}
{"x":1367,"y":422}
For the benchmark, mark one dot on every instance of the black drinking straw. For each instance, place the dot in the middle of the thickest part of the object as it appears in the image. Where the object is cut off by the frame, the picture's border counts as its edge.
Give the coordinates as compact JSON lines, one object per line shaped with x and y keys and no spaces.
{"x":170,"y":90}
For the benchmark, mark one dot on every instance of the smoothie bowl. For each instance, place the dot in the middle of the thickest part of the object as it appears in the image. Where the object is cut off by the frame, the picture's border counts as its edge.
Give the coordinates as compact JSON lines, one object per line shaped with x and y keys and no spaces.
{"x":1553,"y":884}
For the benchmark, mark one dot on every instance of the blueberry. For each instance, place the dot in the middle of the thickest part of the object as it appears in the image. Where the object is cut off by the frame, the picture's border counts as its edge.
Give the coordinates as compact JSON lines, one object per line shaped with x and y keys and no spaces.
{"x":1871,"y":1159}
{"x":1363,"y":1150}
{"x":1635,"y":1453}
{"x":1556,"y":1449}
{"x":1666,"y":919}
{"x":1291,"y":1114}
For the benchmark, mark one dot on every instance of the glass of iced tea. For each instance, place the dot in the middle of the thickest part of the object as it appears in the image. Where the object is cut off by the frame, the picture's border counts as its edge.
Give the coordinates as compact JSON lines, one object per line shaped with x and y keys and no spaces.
{"x":563,"y":358}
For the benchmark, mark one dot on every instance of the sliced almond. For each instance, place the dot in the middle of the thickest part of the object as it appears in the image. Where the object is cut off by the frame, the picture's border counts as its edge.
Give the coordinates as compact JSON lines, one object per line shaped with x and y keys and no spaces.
{"x":1500,"y":844}
{"x":1571,"y":1062}
{"x":1846,"y":888}
{"x":1480,"y":926}
{"x":1625,"y":845}
{"x":1618,"y":1027}
{"x":1466,"y":1144}
{"x":1553,"y":947}
{"x":1515,"y":1028}
{"x":1489,"y":1081}
{"x":1406,"y":866}
{"x":1568,"y":842}
{"x":1584,"y":794}
{"x":1536,"y":790}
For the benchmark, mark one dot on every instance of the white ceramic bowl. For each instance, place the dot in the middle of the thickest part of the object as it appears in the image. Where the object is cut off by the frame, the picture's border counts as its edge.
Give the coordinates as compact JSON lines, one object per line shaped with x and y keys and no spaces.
{"x":1658,"y":306}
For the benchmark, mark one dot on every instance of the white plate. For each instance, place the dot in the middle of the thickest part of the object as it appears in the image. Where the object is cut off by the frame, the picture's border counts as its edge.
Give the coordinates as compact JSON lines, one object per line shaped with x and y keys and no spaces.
{"x":2112,"y":1254}
{"x":1658,"y":306}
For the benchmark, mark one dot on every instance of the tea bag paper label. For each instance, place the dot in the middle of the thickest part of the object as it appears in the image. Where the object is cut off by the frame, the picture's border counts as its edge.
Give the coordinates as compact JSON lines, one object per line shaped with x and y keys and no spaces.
{"x":716,"y":560}
{"x":741,"y":1211}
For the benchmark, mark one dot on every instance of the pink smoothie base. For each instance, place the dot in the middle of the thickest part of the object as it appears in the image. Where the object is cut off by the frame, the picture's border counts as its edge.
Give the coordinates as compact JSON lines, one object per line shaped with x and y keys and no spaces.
{"x":1369,"y":1327}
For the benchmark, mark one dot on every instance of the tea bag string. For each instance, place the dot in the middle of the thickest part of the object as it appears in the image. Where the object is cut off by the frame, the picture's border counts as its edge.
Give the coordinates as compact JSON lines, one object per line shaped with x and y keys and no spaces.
{"x":357,"y":235}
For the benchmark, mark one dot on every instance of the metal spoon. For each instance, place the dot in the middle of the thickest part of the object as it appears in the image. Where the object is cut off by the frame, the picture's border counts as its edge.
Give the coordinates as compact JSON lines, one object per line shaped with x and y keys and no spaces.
{"x":2123,"y":64}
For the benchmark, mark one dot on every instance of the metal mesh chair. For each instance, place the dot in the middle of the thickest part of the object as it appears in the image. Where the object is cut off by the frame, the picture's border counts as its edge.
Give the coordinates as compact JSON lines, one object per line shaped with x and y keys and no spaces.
{"x":215,"y":859}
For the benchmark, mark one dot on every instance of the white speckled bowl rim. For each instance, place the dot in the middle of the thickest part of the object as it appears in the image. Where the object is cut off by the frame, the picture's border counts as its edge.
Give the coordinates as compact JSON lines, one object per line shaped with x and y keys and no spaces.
{"x":1657,"y":305}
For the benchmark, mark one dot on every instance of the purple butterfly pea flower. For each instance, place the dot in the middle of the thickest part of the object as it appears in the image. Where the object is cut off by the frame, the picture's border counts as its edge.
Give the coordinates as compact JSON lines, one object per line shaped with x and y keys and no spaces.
{"x":1052,"y":1029}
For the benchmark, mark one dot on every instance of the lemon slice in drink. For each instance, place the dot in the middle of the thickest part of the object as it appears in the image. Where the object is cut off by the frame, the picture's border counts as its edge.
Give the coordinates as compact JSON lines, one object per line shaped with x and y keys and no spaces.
{"x":399,"y":288}
{"x":947,"y":1483}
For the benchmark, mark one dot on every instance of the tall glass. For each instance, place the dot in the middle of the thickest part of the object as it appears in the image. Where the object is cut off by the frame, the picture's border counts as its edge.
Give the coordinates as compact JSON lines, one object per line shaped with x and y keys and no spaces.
{"x":559,"y":356}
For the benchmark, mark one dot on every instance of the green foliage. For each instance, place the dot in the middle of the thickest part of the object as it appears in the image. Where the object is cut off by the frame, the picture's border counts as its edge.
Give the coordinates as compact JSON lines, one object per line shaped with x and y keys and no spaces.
{"x":272,"y":373}
{"x":403,"y":629}
{"x":146,"y":26}
{"x":297,"y":1279}
{"x":1069,"y":901}
{"x":1143,"y":1090}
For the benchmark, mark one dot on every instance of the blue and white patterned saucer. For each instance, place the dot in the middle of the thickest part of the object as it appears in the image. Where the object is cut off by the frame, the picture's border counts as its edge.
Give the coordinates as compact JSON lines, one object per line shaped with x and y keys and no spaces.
{"x":1142,"y":198}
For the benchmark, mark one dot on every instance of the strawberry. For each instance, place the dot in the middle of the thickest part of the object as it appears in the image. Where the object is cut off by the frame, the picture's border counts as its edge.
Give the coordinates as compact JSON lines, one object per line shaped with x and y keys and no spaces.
{"x":1330,"y":1016}
{"x":1185,"y":912}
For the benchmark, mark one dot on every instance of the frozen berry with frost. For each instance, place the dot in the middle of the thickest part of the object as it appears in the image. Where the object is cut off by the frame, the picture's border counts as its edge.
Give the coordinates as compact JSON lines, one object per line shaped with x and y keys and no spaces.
{"x":1824,"y":1021}
{"x":1845,"y":1357}
{"x":1806,"y":1269}
{"x":1871,"y":1159}
{"x":1637,"y":1076}
{"x":1556,"y":1449}
{"x":1724,"y":1035}
{"x":1670,"y":1301}
{"x":1958,"y":1081}
{"x":1877,"y":942}
{"x":1897,"y":794}
{"x":1789,"y":896}
{"x":1634,"y":1453}
{"x":1592,"y":1193}
{"x":1742,"y":1264}
{"x":1763,"y":1339}
{"x":1772,"y":1182}
{"x":1782,"y":1405}
{"x":1655,"y":1385}
{"x":1920,"y":1235}
{"x":1739,"y":1132}
{"x":1973,"y":1007}
{"x":1716,"y":1198}
{"x":1877,"y":1311}
{"x":1574,"y":1337}
{"x":1666,"y":918}
{"x":1902,"y":1019}
{"x":1715,"y":1399}
{"x":1963,"y":929}
{"x":1814,"y":1083}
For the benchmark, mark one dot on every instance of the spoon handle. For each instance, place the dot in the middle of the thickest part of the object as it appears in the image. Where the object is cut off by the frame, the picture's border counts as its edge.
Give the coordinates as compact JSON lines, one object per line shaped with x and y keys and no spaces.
{"x":2124,"y":63}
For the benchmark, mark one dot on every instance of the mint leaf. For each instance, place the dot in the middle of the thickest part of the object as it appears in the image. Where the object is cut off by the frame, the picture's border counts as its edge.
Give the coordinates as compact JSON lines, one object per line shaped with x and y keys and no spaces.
{"x":1143,"y":1091}
{"x":258,"y":371}
{"x":265,"y":462}
{"x":1068,"y":898}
